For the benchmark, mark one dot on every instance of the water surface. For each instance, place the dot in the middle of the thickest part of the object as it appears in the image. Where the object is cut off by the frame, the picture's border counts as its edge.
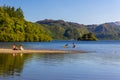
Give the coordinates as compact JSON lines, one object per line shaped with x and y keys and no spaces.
{"x":101,"y":63}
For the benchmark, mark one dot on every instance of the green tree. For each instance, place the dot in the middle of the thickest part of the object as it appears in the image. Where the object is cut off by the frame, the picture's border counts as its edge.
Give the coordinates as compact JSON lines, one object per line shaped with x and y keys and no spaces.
{"x":13,"y":27}
{"x":88,"y":37}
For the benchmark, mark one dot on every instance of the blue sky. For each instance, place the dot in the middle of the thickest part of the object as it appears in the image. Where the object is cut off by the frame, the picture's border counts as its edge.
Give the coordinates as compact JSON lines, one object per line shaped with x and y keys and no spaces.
{"x":80,"y":11}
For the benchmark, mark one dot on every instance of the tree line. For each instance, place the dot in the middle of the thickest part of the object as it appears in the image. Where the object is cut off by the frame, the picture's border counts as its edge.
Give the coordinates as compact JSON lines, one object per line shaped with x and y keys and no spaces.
{"x":14,"y":28}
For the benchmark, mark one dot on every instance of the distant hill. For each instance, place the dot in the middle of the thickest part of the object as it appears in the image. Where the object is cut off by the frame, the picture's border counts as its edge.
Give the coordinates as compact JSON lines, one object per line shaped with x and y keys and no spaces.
{"x":69,"y":30}
{"x":64,"y":30}
{"x":106,"y":31}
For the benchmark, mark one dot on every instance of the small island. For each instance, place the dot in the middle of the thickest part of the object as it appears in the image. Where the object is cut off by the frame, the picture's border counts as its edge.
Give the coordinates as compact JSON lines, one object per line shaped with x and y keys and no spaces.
{"x":88,"y":37}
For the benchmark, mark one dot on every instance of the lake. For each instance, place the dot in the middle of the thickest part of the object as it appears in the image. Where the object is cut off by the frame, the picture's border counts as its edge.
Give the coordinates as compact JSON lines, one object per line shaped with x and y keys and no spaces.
{"x":101,"y":62}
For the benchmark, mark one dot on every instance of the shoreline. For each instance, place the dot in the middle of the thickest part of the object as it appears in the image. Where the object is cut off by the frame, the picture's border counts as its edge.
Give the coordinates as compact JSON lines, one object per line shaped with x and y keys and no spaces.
{"x":39,"y":51}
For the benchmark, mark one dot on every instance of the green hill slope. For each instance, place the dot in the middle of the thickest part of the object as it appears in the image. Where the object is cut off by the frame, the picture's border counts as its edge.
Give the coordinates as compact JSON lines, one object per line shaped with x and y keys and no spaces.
{"x":64,"y":30}
{"x":106,"y":31}
{"x":13,"y":27}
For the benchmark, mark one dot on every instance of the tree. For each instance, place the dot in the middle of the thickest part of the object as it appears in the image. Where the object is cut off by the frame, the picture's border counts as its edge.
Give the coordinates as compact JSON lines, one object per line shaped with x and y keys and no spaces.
{"x":13,"y":27}
{"x":88,"y":37}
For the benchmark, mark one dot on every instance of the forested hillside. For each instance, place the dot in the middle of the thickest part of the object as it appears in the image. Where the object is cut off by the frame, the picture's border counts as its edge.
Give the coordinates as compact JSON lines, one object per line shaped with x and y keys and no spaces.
{"x":13,"y":27}
{"x":109,"y":31}
{"x":64,"y":30}
{"x":69,"y":30}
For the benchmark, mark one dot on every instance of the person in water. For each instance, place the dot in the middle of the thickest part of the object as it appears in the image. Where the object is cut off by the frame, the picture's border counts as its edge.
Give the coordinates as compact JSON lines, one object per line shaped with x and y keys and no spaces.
{"x":66,"y":46}
{"x":74,"y":45}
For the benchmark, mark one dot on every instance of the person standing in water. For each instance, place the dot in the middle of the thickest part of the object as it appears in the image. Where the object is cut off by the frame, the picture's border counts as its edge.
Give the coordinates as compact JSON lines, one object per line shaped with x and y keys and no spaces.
{"x":66,"y":46}
{"x":74,"y":45}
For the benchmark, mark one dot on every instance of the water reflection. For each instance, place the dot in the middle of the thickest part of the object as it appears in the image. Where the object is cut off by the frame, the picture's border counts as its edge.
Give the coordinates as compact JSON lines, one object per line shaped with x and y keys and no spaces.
{"x":12,"y":64}
{"x":36,"y":66}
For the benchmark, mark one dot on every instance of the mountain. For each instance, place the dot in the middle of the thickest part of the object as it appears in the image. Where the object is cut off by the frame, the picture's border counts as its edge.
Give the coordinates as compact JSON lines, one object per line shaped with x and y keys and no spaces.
{"x":117,"y":23}
{"x":69,"y":30}
{"x":106,"y":31}
{"x":64,"y":30}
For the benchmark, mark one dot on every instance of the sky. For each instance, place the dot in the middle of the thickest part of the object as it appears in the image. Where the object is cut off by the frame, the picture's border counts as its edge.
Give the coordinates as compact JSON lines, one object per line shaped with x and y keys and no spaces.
{"x":79,"y":11}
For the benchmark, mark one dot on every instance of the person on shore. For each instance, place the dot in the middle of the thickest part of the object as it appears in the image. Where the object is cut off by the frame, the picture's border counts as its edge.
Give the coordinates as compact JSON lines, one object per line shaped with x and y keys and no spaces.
{"x":74,"y":45}
{"x":14,"y":47}
{"x":66,"y":46}
{"x":21,"y":47}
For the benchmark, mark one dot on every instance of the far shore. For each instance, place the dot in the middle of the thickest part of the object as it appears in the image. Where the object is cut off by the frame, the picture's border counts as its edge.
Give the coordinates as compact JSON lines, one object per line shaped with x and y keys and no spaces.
{"x":39,"y":51}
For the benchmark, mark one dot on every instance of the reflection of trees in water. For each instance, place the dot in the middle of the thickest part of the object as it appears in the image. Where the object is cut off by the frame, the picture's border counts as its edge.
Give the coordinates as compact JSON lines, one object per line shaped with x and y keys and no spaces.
{"x":12,"y":64}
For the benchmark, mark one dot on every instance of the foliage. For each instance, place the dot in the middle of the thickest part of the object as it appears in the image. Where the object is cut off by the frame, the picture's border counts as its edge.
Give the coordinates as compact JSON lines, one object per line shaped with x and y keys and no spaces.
{"x":63,"y":30}
{"x":13,"y":27}
{"x":106,"y":31}
{"x":69,"y":30}
{"x":88,"y":37}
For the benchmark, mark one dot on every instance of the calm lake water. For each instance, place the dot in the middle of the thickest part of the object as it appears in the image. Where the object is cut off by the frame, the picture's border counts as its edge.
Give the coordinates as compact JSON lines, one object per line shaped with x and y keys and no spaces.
{"x":101,"y":62}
